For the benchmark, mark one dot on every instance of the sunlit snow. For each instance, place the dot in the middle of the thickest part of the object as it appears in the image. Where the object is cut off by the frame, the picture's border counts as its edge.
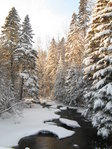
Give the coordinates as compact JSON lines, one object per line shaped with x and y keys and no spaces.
{"x":30,"y":122}
{"x":70,"y":123}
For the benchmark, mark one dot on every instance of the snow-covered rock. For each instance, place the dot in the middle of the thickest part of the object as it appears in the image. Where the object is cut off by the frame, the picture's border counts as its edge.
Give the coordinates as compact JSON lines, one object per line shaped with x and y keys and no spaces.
{"x":70,"y":123}
{"x":63,"y":108}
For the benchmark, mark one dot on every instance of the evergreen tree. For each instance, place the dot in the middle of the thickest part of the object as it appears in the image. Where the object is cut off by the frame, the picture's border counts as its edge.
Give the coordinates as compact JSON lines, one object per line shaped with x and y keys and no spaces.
{"x":98,"y":68}
{"x":41,"y":61}
{"x":74,"y":44}
{"x":27,"y":58}
{"x":73,"y":57}
{"x":61,"y":51}
{"x":7,"y":97}
{"x":51,"y":66}
{"x":74,"y":86}
{"x":59,"y":86}
{"x":10,"y":38}
{"x":83,"y":16}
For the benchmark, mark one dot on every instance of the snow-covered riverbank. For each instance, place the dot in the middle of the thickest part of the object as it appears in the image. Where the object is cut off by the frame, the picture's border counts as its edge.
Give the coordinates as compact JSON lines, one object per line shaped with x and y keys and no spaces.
{"x":30,"y":122}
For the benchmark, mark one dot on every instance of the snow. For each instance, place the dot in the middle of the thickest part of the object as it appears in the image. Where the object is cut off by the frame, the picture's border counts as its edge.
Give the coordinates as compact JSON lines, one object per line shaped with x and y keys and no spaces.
{"x":50,"y":123}
{"x":104,"y":132}
{"x":100,"y":83}
{"x":109,"y":14}
{"x":30,"y":122}
{"x":28,"y":100}
{"x":70,"y":123}
{"x":81,"y":110}
{"x":109,"y":106}
{"x":75,"y":145}
{"x":107,"y":89}
{"x":96,"y":118}
{"x":63,"y":108}
{"x":110,"y":48}
{"x":98,"y":103}
{"x":100,"y":34}
{"x":100,"y":27}
{"x":102,"y":72}
{"x":24,"y":75}
{"x":88,"y":61}
{"x":54,"y":107}
{"x":70,"y":107}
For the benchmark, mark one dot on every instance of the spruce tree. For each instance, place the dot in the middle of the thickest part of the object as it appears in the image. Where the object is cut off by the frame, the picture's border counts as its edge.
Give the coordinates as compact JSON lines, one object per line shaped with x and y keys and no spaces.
{"x":27,"y":58}
{"x":10,"y":38}
{"x":41,"y":61}
{"x":98,"y":68}
{"x":74,"y":86}
{"x":59,"y":85}
{"x":61,"y":51}
{"x":73,"y":58}
{"x":51,"y":66}
{"x":7,"y":97}
{"x":83,"y":16}
{"x":74,"y":44}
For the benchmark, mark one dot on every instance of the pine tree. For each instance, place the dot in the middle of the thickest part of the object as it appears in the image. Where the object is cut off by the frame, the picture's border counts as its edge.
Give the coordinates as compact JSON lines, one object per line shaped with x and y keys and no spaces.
{"x":59,"y":91}
{"x":59,"y":86}
{"x":83,"y":16}
{"x":7,"y":97}
{"x":51,"y":66}
{"x":61,"y":51}
{"x":74,"y":44}
{"x":74,"y":86}
{"x":10,"y":38}
{"x":27,"y":58}
{"x":73,"y":57}
{"x":41,"y":61}
{"x":98,"y":68}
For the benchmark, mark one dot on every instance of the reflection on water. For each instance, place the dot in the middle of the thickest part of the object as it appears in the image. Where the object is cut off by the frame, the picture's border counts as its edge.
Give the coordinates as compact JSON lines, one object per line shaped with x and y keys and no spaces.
{"x":47,"y":143}
{"x":84,"y":138}
{"x":43,"y":142}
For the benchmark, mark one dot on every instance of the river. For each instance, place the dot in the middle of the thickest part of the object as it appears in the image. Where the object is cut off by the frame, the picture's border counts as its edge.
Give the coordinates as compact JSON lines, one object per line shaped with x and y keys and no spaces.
{"x":84,"y":138}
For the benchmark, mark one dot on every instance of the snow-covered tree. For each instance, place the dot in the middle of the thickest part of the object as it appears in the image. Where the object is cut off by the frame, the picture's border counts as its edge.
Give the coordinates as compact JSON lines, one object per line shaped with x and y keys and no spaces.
{"x":61,"y":50}
{"x":73,"y":58}
{"x":74,"y":86}
{"x":6,"y":95}
{"x":74,"y":45}
{"x":98,"y":68}
{"x":83,"y":15}
{"x":51,"y":66}
{"x":10,"y":37}
{"x":26,"y":57}
{"x":41,"y":61}
{"x":59,"y":86}
{"x":59,"y":92}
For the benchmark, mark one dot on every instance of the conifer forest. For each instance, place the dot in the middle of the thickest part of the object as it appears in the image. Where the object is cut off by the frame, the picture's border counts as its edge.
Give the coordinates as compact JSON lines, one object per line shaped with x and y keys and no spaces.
{"x":75,"y":70}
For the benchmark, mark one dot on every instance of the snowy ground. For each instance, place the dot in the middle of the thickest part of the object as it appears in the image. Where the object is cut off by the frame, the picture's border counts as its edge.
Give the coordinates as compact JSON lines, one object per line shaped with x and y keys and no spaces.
{"x":31,"y":122}
{"x":70,"y":123}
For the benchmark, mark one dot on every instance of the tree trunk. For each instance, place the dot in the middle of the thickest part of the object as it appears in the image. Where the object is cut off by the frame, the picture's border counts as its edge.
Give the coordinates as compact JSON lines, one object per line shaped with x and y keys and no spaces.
{"x":12,"y":72}
{"x":21,"y":88}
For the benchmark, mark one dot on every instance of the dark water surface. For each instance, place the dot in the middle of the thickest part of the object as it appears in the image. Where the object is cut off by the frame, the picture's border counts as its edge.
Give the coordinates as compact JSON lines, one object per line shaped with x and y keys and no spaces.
{"x":84,"y":138}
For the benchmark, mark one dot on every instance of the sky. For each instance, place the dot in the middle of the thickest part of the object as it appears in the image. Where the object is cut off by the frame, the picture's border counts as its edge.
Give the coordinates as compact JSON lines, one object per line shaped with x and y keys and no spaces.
{"x":49,"y":18}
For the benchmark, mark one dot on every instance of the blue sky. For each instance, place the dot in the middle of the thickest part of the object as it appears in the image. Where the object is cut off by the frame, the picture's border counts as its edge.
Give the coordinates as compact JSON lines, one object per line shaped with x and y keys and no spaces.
{"x":49,"y":18}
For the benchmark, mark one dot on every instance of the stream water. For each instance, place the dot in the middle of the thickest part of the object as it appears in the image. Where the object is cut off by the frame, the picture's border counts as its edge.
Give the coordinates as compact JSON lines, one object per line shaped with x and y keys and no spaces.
{"x":84,"y":138}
